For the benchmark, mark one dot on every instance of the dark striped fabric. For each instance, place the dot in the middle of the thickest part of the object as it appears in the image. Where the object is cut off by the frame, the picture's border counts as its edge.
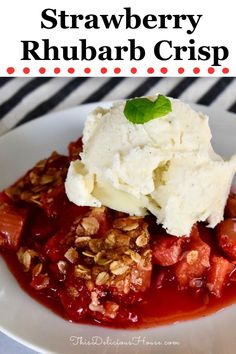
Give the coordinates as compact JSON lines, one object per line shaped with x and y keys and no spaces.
{"x":24,"y":99}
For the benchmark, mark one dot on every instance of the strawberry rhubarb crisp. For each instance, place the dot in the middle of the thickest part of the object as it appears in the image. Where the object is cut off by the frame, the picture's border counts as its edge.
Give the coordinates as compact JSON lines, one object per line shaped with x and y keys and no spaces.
{"x":159,"y":257}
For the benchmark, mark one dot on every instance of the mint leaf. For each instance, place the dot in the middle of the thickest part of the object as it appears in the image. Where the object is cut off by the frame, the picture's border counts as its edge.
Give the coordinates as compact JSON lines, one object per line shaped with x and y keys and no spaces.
{"x":142,"y":110}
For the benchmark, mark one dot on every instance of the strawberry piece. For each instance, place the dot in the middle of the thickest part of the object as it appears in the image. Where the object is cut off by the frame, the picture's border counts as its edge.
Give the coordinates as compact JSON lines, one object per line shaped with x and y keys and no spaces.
{"x":159,"y":278}
{"x":194,"y":262}
{"x":75,"y":298}
{"x":41,"y":227}
{"x":81,"y":300}
{"x":57,"y":245}
{"x":226,"y":233}
{"x":218,"y":274}
{"x":166,"y":250}
{"x":12,"y":222}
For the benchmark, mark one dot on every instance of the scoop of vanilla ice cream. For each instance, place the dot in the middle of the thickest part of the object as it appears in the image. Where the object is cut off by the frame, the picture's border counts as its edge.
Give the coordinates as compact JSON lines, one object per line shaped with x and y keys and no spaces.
{"x":166,"y":166}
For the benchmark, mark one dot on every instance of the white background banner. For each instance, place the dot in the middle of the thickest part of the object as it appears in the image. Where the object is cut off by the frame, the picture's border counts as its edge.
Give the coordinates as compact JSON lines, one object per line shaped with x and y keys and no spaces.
{"x":152,"y":38}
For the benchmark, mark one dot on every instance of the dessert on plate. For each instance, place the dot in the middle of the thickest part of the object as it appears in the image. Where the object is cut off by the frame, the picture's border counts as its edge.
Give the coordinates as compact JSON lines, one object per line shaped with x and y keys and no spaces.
{"x":135,"y":227}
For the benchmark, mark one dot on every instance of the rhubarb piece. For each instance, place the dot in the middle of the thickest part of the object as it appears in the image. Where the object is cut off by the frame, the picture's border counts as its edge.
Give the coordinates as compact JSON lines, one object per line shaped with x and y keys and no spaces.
{"x":12,"y":222}
{"x":218,"y":274}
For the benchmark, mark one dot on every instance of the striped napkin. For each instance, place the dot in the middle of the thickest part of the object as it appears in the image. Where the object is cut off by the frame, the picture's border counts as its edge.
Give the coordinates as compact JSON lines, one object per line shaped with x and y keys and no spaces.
{"x":24,"y":99}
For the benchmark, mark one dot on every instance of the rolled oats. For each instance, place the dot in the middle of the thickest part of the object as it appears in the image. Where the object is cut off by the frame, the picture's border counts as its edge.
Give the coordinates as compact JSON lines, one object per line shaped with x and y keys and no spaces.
{"x":122,"y":240}
{"x":72,"y":292}
{"x":25,"y":257}
{"x":62,"y":266}
{"x":135,"y":256}
{"x":33,"y":177}
{"x":42,"y":281}
{"x":118,"y":268}
{"x":127,"y":224}
{"x":27,"y":261}
{"x":102,"y":278}
{"x":45,"y":179}
{"x":71,"y":255}
{"x":96,"y":308}
{"x":79,"y":230}
{"x":111,"y":309}
{"x":101,"y":258}
{"x":90,"y":225}
{"x":82,"y":272}
{"x":88,"y":254}
{"x":142,"y":240}
{"x":110,"y":239}
{"x":95,"y":245}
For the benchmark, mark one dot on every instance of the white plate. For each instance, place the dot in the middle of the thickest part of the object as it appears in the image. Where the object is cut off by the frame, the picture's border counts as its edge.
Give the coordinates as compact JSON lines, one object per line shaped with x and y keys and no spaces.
{"x":28,"y":322}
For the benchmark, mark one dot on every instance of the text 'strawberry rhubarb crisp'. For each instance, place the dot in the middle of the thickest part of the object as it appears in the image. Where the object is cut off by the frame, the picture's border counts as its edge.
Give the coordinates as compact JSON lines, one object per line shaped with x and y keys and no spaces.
{"x":136,"y":227}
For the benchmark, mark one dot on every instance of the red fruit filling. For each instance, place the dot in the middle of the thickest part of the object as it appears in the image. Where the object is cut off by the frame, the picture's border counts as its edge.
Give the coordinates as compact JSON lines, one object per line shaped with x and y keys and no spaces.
{"x":100,"y":266}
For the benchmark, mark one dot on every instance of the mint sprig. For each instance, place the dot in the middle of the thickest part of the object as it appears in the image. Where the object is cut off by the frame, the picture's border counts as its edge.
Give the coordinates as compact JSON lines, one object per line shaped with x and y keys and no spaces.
{"x":142,"y":110}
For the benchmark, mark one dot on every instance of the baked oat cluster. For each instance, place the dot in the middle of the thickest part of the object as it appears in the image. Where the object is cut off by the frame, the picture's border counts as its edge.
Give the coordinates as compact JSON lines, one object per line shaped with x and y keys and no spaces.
{"x":41,"y":183}
{"x":113,"y":267}
{"x":100,"y":258}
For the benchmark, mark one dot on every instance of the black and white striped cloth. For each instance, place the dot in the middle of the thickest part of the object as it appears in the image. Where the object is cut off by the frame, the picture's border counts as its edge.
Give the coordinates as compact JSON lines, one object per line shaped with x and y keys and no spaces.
{"x":23,"y":99}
